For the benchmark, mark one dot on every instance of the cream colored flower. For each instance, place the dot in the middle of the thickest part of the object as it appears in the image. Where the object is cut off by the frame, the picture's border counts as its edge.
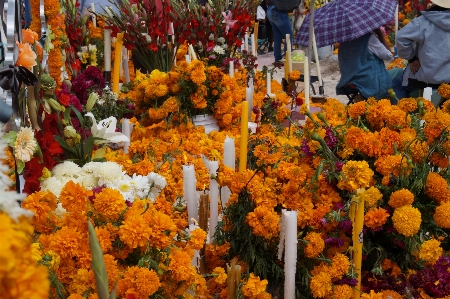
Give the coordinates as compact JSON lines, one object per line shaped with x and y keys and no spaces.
{"x":25,"y":144}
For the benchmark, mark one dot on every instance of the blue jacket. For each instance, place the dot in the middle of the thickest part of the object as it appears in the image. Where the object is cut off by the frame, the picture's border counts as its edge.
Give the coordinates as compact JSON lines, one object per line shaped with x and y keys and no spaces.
{"x":361,"y":67}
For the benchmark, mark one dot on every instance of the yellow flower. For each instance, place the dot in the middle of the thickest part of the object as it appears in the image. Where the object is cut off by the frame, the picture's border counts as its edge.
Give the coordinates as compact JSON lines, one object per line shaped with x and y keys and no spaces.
{"x":264,"y":222}
{"x":254,"y":286}
{"x":343,"y":291}
{"x":371,"y":197}
{"x":25,"y":144}
{"x":321,"y":285}
{"x":315,"y":245}
{"x":401,"y":198}
{"x":407,"y":220}
{"x":355,"y":175}
{"x":339,"y":266}
{"x":431,"y":251}
{"x":441,"y":216}
{"x":372,"y":295}
{"x":198,"y":237}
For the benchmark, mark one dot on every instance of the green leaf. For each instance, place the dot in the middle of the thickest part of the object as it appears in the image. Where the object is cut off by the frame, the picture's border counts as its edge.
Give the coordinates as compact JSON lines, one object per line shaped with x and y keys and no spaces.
{"x":20,"y":165}
{"x":64,"y":145}
{"x":98,"y":263}
{"x":10,"y":137}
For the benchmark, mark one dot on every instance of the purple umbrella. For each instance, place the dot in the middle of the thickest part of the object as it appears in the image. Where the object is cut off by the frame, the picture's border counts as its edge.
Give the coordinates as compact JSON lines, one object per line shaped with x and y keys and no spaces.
{"x":344,"y":20}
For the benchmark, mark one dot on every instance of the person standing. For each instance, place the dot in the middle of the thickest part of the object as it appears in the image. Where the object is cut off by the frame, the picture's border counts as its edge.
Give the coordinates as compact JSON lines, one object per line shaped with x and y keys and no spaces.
{"x":278,"y":15}
{"x":261,"y":16}
{"x":425,"y":43}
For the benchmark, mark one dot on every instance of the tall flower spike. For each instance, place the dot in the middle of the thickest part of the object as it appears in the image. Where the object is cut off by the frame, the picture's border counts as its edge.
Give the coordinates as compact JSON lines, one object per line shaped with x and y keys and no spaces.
{"x":227,"y":19}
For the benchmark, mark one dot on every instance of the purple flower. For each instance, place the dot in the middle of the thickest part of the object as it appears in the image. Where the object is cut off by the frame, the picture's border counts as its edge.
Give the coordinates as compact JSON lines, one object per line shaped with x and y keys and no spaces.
{"x":330,"y":139}
{"x":334,"y":242}
{"x":338,"y":165}
{"x":338,"y":206}
{"x":346,"y":226}
{"x":305,"y":148}
{"x":350,"y":281}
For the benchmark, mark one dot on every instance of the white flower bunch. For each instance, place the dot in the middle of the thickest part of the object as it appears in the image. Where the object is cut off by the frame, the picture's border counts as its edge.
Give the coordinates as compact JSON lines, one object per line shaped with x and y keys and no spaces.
{"x":9,"y":200}
{"x":105,"y":174}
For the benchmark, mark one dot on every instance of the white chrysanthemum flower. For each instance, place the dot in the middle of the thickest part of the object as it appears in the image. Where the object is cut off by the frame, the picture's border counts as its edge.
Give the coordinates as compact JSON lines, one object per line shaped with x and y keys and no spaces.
{"x":211,"y":36}
{"x":53,"y":185}
{"x":156,"y":180}
{"x":218,"y":50}
{"x":66,"y":169}
{"x":88,"y":180}
{"x":108,"y":173}
{"x":60,"y":211}
{"x":140,"y":185}
{"x":221,"y":40}
{"x":124,"y":187}
{"x":90,"y":167}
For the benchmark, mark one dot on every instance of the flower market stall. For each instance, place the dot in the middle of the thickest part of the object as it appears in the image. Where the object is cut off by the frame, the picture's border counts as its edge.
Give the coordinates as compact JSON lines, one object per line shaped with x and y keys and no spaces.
{"x":124,"y":194}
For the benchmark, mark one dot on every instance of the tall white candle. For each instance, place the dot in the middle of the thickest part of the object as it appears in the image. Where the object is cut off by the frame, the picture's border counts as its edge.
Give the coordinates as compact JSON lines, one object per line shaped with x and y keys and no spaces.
{"x":246,"y":41}
{"x":243,"y":46}
{"x":253,"y":45}
{"x":427,"y":92}
{"x":196,"y":259}
{"x":288,"y":52}
{"x":188,"y":58}
{"x":269,"y":83}
{"x":94,"y":17}
{"x":229,"y":159}
{"x":306,"y":81}
{"x":231,"y":68}
{"x":126,"y":132}
{"x":190,"y":193}
{"x":107,"y":51}
{"x":290,"y":256}
{"x":191,"y":49}
{"x":125,"y":59}
{"x":249,"y":97}
{"x":214,"y":200}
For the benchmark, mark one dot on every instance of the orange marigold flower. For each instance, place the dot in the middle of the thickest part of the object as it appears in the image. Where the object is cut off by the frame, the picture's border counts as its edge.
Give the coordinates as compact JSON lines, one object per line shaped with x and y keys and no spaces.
{"x":389,"y":294}
{"x":407,"y":220}
{"x":180,"y":265}
{"x":401,"y":198}
{"x":431,"y":251}
{"x":142,"y":282}
{"x":446,"y":106}
{"x":441,"y":215}
{"x":439,"y":160}
{"x":254,"y":286}
{"x":444,"y":90}
{"x":356,"y":137}
{"x":358,"y":109}
{"x":66,"y":242}
{"x":40,"y":203}
{"x":264,"y":222}
{"x":315,"y":245}
{"x":343,"y":291}
{"x":321,"y":285}
{"x":436,"y":187}
{"x":375,"y":218}
{"x":371,"y":197}
{"x":339,"y":266}
{"x":135,"y":232}
{"x":355,"y":175}
{"x":74,"y":197}
{"x":408,"y":104}
{"x":109,"y":203}
{"x":294,"y":75}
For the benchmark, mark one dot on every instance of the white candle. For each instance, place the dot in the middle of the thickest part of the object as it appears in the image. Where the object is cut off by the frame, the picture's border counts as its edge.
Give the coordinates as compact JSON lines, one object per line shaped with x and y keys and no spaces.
{"x":249,"y":99}
{"x":290,"y":256}
{"x":253,"y":45}
{"x":231,"y":68}
{"x":126,"y":132}
{"x":194,"y":56}
{"x":269,"y":83}
{"x":190,"y":193}
{"x":94,"y":17}
{"x":107,"y":51}
{"x":396,"y":26}
{"x":188,"y":58}
{"x":306,"y":81}
{"x":246,"y":41}
{"x":427,"y":92}
{"x":196,"y":259}
{"x":288,"y":52}
{"x":213,"y":200}
{"x":243,"y":46}
{"x":229,"y":159}
{"x":126,"y":70}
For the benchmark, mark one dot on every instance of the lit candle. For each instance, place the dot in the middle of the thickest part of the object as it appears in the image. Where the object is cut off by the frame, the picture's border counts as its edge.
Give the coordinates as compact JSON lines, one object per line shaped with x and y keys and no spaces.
{"x":231,"y":68}
{"x":244,"y":137}
{"x":190,"y":193}
{"x":214,"y":200}
{"x":357,"y":209}
{"x":107,"y":50}
{"x":94,"y":17}
{"x":117,"y":62}
{"x":253,"y":45}
{"x":306,"y":81}
{"x":290,"y":255}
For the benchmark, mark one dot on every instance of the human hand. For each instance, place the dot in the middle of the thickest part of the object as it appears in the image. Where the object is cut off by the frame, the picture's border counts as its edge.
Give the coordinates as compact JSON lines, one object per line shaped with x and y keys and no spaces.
{"x":414,"y":66}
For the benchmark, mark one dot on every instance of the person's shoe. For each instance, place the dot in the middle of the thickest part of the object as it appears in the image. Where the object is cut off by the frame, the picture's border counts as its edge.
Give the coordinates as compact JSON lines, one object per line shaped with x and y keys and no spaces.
{"x":270,"y":49}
